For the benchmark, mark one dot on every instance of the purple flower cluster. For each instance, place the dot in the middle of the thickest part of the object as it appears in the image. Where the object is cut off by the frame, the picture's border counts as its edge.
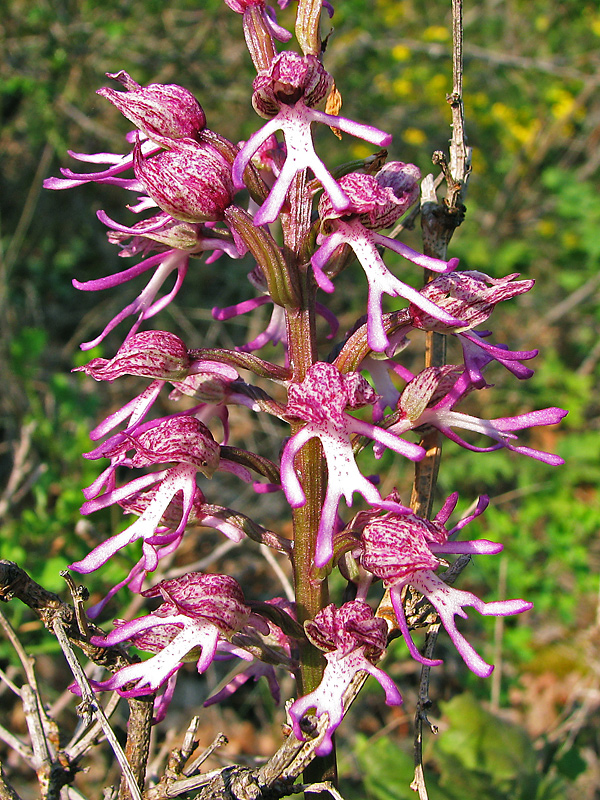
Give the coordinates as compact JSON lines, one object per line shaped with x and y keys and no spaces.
{"x":188,"y":179}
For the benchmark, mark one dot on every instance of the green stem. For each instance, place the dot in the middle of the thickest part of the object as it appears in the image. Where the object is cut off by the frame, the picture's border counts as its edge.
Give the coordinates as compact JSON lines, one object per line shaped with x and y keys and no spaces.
{"x":311,"y":593}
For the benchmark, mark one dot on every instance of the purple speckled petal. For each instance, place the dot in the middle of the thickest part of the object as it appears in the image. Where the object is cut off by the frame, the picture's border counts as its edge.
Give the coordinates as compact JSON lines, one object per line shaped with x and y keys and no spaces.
{"x":427,"y":262}
{"x":327,"y":698}
{"x":239,"y":308}
{"x":151,"y":674}
{"x":254,"y":142}
{"x":405,"y":631}
{"x":387,"y":439}
{"x":289,"y":480}
{"x":474,"y":547}
{"x":366,"y":132}
{"x":181,"y":478}
{"x":450,"y":602}
{"x":500,"y":430}
{"x":380,"y":280}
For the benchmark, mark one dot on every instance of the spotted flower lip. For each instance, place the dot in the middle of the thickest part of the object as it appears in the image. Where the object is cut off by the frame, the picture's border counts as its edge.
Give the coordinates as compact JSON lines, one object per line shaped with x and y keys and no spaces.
{"x":197,"y":611}
{"x":376,"y":202}
{"x":182,"y":441}
{"x":169,"y":532}
{"x":285,"y":95}
{"x":353,"y":639}
{"x":162,"y":111}
{"x":350,"y":231}
{"x":402,"y":551}
{"x":321,"y":401}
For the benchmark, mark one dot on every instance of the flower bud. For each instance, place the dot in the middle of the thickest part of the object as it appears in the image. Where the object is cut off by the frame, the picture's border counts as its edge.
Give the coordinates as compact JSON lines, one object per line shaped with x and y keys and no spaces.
{"x":159,"y":110}
{"x":191,"y":182}
{"x":149,"y":354}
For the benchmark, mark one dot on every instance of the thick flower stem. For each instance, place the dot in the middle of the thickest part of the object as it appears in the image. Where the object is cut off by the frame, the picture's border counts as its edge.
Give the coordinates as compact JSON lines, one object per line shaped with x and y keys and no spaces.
{"x":311,"y":593}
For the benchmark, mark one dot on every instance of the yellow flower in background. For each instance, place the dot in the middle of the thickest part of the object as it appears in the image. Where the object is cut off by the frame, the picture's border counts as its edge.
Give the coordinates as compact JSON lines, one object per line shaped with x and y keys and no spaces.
{"x":402,"y":87}
{"x":401,"y":52}
{"x":436,"y":33}
{"x":414,"y":136}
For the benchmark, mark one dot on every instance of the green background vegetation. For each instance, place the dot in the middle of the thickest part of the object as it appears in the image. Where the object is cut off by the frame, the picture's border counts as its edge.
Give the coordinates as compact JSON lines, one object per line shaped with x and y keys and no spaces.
{"x":533,"y":113}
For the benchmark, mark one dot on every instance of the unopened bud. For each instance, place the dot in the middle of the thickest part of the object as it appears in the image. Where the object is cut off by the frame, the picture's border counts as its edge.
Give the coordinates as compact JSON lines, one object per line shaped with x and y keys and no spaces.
{"x":149,"y":354}
{"x":192,"y":182}
{"x":159,"y":110}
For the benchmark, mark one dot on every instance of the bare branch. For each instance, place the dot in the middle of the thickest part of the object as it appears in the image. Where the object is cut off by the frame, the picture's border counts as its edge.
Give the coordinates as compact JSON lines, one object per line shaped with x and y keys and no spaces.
{"x":219,"y":740}
{"x":17,"y":745}
{"x":80,"y":743}
{"x":16,"y":583}
{"x":137,"y":746}
{"x":42,"y":756}
{"x":439,"y":221}
{"x":89,"y":700}
{"x":6,"y":790}
{"x":7,"y":681}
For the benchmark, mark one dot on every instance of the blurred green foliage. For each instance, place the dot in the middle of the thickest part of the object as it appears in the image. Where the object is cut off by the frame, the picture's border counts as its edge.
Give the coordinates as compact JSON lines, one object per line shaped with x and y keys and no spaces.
{"x":532,"y":110}
{"x":479,"y":755}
